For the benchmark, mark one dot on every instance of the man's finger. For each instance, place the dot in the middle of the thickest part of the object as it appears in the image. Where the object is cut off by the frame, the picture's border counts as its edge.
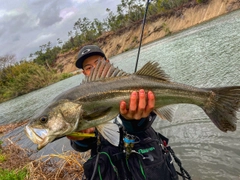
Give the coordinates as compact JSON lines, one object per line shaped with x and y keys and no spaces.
{"x":151,"y":102}
{"x":133,"y":102}
{"x":123,"y":108}
{"x":142,"y":100}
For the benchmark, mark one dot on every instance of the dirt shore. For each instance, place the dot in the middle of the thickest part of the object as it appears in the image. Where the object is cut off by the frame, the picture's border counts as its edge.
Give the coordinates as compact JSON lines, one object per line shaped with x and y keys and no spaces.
{"x":9,"y":127}
{"x":156,"y":28}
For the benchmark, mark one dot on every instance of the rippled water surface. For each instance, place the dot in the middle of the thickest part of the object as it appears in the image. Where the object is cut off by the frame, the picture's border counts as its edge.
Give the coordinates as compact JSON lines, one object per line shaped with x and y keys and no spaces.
{"x":207,"y":55}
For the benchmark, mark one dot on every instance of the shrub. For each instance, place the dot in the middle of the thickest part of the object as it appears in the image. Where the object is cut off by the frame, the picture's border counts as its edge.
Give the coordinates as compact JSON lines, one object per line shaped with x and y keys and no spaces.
{"x":13,"y":174}
{"x":202,"y":1}
{"x":25,"y":77}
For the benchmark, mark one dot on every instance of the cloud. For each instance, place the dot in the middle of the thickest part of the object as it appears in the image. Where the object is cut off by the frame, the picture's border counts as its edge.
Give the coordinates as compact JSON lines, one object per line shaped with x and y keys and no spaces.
{"x":2,"y":12}
{"x":27,"y":24}
{"x":49,"y":15}
{"x":66,"y":13}
{"x":79,"y":1}
{"x":41,"y":38}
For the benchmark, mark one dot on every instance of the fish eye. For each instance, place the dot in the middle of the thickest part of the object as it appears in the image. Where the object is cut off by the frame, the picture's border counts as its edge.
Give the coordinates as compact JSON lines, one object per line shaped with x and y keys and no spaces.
{"x":43,"y":119}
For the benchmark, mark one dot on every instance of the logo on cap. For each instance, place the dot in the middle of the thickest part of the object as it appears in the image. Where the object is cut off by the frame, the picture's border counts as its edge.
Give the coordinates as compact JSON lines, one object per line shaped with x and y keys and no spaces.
{"x":86,"y":51}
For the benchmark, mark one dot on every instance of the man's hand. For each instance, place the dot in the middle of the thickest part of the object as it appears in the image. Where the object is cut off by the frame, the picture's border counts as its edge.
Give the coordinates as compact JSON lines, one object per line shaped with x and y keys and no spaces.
{"x":90,"y":130}
{"x":140,"y":105}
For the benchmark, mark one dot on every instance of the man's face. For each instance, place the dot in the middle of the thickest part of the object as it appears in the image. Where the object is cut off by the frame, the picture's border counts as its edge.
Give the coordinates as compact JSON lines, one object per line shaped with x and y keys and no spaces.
{"x":90,"y":63}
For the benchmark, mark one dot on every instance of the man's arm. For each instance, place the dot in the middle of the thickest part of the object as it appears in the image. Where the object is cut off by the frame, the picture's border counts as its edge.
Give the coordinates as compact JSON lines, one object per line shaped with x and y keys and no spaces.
{"x":133,"y":126}
{"x":83,"y":144}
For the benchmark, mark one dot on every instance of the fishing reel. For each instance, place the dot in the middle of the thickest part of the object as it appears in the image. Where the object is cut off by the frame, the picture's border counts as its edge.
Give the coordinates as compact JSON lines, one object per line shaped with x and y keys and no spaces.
{"x":129,"y":141}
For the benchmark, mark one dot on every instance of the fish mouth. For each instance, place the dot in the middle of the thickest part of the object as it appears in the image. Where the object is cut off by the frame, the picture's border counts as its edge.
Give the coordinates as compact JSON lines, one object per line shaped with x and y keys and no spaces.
{"x":37,"y":136}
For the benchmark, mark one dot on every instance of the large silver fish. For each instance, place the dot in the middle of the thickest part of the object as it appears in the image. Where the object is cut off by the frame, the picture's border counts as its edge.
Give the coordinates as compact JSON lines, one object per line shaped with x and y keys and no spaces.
{"x":96,"y":101}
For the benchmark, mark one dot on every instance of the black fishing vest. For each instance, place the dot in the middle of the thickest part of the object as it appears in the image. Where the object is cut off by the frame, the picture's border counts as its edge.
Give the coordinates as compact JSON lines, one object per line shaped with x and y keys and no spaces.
{"x":142,"y":156}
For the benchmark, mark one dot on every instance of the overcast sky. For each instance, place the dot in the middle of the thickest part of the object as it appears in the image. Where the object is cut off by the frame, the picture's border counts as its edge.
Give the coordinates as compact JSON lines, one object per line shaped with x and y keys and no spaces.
{"x":27,"y":24}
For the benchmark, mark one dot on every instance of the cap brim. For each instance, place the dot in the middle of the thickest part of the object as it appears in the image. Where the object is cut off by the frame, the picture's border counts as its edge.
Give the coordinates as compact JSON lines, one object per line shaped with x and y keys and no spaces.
{"x":79,"y":62}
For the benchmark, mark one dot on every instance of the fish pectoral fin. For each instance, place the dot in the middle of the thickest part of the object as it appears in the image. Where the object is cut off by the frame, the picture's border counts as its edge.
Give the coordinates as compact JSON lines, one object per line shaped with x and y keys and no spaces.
{"x":96,"y":113}
{"x":165,"y":113}
{"x":110,"y":132}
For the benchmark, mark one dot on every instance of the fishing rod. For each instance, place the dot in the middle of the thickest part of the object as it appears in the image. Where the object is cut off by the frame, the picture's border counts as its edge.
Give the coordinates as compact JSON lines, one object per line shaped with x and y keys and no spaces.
{"x":140,"y":44}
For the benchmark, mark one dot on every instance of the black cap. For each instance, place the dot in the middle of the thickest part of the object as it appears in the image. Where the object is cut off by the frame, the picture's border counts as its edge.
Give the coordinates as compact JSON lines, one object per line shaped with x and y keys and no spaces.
{"x":86,"y":52}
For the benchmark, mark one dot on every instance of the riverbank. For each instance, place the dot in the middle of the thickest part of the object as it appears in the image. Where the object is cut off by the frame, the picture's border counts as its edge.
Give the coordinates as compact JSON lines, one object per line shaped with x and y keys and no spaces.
{"x":16,"y":163}
{"x":157,"y":27}
{"x":10,"y":127}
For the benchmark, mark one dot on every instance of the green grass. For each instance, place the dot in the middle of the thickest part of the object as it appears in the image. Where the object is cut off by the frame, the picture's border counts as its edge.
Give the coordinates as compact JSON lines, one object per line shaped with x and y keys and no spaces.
{"x":13,"y":174}
{"x":25,"y":77}
{"x":10,"y":174}
{"x":2,"y":157}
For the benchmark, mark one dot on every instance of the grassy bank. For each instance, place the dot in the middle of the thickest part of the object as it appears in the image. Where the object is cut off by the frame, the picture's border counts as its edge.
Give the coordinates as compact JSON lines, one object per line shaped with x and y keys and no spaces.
{"x":16,"y":164}
{"x":22,"y":78}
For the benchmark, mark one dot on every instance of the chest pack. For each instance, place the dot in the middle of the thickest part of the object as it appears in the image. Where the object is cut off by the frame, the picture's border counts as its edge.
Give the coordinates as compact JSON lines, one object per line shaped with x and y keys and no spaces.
{"x":143,"y":156}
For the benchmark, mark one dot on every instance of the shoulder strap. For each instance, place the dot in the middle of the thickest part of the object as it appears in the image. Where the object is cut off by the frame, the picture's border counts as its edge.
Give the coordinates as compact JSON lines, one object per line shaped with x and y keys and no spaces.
{"x":163,"y":138}
{"x":184,"y":173}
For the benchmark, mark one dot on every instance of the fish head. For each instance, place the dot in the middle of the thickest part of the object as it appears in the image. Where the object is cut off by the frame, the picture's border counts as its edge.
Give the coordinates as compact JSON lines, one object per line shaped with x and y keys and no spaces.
{"x":57,"y":120}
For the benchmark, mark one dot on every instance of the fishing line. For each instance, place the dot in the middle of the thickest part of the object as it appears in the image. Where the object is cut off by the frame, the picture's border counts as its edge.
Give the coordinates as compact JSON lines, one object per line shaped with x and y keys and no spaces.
{"x":140,"y":44}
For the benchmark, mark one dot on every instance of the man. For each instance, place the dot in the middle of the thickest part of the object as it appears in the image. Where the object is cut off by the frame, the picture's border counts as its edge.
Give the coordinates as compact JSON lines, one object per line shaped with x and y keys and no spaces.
{"x":141,"y":153}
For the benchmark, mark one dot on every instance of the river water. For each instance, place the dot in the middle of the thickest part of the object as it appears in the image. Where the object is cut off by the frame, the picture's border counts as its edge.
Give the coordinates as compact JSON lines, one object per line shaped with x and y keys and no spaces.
{"x":207,"y":55}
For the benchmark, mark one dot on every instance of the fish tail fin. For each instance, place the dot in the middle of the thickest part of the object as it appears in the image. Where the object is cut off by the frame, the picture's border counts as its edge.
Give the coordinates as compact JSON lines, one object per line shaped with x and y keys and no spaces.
{"x":222,"y":107}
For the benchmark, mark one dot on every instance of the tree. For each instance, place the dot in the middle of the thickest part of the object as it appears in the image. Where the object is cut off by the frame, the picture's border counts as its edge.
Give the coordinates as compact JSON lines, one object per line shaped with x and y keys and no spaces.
{"x":46,"y":55}
{"x":7,"y":60}
{"x":98,"y":26}
{"x":59,"y":42}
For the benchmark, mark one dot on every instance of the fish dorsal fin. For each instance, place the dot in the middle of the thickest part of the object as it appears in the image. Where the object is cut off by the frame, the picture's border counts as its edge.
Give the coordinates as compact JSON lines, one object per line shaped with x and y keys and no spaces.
{"x":104,"y":70}
{"x":153,"y":69}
